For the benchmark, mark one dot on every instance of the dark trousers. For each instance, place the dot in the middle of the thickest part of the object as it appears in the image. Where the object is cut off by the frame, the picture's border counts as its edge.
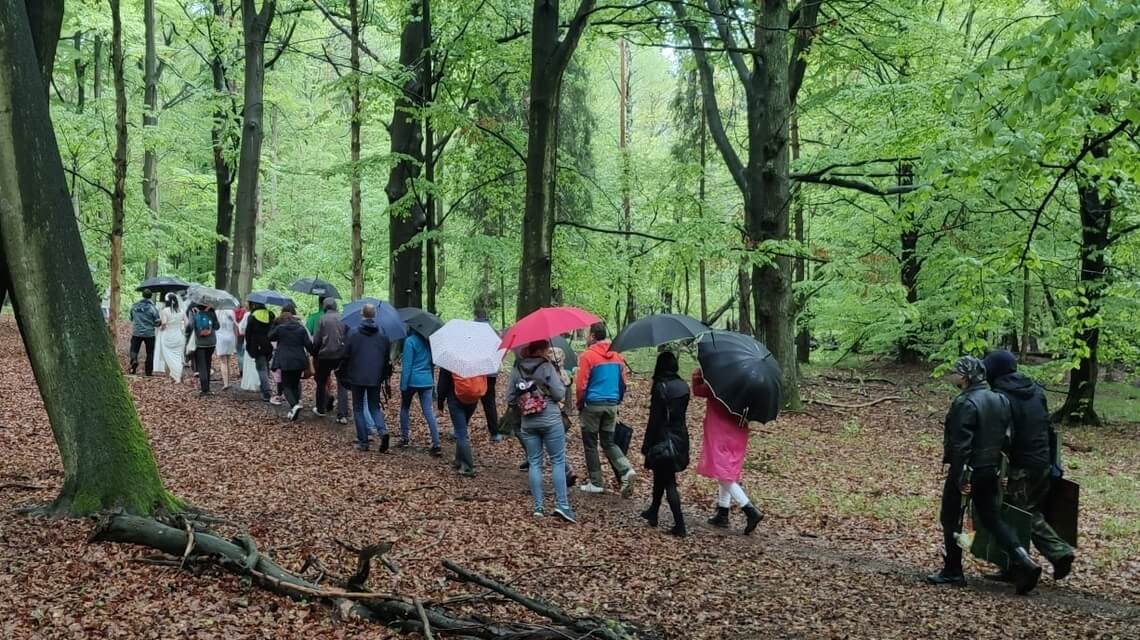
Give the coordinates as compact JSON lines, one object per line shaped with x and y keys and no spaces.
{"x":490,"y":409}
{"x":262,"y":364}
{"x":950,"y":516}
{"x":202,"y":358}
{"x":136,"y":343}
{"x":325,"y":368}
{"x":291,"y":386}
{"x":1028,"y":489}
{"x":665,"y":483}
{"x":985,"y":494}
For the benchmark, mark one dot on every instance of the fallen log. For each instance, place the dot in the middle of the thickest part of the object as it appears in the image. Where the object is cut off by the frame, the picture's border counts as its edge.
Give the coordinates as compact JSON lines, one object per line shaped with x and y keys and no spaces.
{"x":860,"y":405}
{"x":240,"y":556}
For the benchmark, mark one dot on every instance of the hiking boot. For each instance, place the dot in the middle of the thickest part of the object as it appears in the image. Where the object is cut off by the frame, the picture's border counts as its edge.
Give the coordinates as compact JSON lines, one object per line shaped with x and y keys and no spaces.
{"x":650,"y":516}
{"x":947,"y":578}
{"x":384,"y":443}
{"x":999,"y":576}
{"x":1024,"y":570}
{"x":753,"y":516}
{"x":566,"y":514}
{"x":720,"y":519}
{"x":405,"y":443}
{"x":436,"y":452}
{"x":525,"y":465}
{"x":627,"y":483}
{"x":678,"y":530}
{"x":1062,"y":567}
{"x":590,"y":487}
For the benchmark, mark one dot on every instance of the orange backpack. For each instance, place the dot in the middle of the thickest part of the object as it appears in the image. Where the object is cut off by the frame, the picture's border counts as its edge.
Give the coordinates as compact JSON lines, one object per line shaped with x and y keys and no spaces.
{"x":469,"y":390}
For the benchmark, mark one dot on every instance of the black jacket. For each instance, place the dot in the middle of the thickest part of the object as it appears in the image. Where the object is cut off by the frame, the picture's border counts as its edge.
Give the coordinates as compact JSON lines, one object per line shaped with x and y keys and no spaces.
{"x":365,"y":353}
{"x":257,"y":342}
{"x":1032,"y":428}
{"x":976,"y":429}
{"x":293,"y":343}
{"x":668,"y":403}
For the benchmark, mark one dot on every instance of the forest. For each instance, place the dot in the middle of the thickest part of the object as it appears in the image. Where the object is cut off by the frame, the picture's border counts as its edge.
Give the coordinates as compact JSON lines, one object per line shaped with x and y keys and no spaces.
{"x":871,"y":189}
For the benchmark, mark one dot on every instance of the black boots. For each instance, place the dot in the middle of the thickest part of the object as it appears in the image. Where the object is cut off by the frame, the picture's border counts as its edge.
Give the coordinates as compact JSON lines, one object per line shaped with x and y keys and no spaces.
{"x":753,"y":516}
{"x":650,"y":516}
{"x":1062,"y":567}
{"x":946,"y":576}
{"x":721,"y":518}
{"x":1024,"y":571}
{"x":384,"y":443}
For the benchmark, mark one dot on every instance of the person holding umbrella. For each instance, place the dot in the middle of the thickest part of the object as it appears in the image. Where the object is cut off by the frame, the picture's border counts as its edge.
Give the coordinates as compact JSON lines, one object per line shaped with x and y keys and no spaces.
{"x":666,"y":443}
{"x":144,"y":319}
{"x":724,"y":441}
{"x":536,"y":389}
{"x":416,"y":379}
{"x":258,"y":323}
{"x":600,"y":389}
{"x":293,"y":347}
{"x":365,"y":363}
{"x":328,"y":349}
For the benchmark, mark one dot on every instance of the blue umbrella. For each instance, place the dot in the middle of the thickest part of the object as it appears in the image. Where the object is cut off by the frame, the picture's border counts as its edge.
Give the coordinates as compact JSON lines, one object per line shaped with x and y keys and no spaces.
{"x":269,"y":297}
{"x":386,"y":316}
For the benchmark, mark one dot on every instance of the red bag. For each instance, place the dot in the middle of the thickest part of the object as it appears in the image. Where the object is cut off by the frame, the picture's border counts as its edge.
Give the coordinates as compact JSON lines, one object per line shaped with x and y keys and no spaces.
{"x":469,"y":390}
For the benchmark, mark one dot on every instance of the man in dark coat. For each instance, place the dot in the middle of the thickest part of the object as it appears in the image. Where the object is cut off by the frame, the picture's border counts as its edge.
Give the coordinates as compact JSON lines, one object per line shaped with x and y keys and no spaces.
{"x":144,"y":319}
{"x":365,"y":364}
{"x":328,"y":350}
{"x":257,"y":343}
{"x":292,"y":357}
{"x":1031,"y":456}
{"x":974,"y":436}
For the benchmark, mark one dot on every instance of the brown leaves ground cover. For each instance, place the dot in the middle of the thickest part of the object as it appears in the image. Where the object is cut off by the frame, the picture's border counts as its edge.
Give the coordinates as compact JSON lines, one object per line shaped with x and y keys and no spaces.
{"x":851,"y":528}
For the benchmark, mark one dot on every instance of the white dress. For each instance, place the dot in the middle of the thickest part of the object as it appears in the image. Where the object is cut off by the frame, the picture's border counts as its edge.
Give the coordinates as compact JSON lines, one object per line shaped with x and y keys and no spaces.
{"x":227,"y":336}
{"x":250,"y":380}
{"x":171,"y":344}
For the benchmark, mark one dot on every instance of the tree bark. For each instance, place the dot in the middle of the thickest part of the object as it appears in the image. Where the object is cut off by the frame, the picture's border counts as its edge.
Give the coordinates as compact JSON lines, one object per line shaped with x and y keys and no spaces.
{"x":909,"y":267}
{"x":701,"y":268}
{"x":406,"y":215}
{"x":803,"y":337}
{"x":624,"y":112}
{"x":150,"y":120}
{"x":224,"y":141}
{"x":97,"y":81}
{"x":119,"y":193}
{"x":255,"y":29}
{"x":106,"y":459}
{"x":432,"y":248}
{"x":354,"y":134}
{"x":80,"y":77}
{"x":1096,"y":221}
{"x":45,"y":17}
{"x":549,"y":58}
{"x":1026,"y":311}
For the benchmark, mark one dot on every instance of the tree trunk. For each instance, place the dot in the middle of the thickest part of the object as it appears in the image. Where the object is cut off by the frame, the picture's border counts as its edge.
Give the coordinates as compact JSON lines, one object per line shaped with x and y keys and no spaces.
{"x":624,"y":113}
{"x":106,"y":459}
{"x":97,"y":81}
{"x":1026,"y":311}
{"x":702,"y":283}
{"x":354,"y":134}
{"x":46,"y":20}
{"x":406,"y":215}
{"x":80,"y":76}
{"x":1096,"y":220}
{"x":549,"y":58}
{"x":255,"y":28}
{"x":119,"y":193}
{"x":768,"y":184}
{"x":909,"y":267}
{"x":224,"y":140}
{"x":803,"y":337}
{"x":150,"y":120}
{"x":432,"y":248}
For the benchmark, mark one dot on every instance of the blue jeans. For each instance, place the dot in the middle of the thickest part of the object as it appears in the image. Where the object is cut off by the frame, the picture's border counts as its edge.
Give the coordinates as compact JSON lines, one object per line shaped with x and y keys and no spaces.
{"x":553,"y":440}
{"x":371,"y":395}
{"x":460,"y":415}
{"x":425,"y":406}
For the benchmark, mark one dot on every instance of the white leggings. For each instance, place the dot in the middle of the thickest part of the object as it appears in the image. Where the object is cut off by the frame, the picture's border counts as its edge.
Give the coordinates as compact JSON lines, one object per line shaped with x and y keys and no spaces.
{"x":730,"y":491}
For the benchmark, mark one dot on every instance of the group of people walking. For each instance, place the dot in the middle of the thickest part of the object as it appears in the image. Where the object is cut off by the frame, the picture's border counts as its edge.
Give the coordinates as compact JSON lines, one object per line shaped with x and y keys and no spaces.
{"x":278,"y":349}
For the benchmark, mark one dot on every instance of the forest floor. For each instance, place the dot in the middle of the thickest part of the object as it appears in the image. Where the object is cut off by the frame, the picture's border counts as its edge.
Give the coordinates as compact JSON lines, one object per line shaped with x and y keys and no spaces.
{"x":851,"y":498}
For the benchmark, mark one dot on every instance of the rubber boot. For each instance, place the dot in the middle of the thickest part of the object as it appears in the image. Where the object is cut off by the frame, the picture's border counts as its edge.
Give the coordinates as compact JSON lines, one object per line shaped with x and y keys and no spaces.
{"x":1024,"y":571}
{"x":1062,"y":567}
{"x":384,"y":443}
{"x":465,"y":459}
{"x":721,"y":518}
{"x":753,"y":516}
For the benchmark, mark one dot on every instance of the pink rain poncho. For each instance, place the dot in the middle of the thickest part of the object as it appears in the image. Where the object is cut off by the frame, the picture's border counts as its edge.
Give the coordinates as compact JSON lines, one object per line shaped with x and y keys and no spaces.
{"x":724,"y":440}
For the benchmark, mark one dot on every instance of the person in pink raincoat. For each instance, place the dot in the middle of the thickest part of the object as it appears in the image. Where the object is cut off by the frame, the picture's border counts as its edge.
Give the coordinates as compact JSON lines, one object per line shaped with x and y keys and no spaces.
{"x":724,"y":441}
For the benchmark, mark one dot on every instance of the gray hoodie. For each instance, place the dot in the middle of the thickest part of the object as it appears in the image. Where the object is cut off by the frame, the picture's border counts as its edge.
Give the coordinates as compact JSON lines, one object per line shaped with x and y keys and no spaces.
{"x":544,"y":373}
{"x":144,"y":318}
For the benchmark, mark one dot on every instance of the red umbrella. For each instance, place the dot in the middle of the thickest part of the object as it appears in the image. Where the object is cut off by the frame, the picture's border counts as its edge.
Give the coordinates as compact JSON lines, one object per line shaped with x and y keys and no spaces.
{"x":546,"y":323}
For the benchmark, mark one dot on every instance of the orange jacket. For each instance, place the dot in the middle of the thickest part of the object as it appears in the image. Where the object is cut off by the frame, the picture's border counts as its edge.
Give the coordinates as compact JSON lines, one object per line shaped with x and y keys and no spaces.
{"x":601,"y":375}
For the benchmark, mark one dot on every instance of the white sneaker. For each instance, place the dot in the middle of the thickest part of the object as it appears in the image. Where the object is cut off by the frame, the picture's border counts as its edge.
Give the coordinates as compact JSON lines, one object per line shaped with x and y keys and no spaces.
{"x":294,"y":412}
{"x":590,"y":487}
{"x":627,"y":483}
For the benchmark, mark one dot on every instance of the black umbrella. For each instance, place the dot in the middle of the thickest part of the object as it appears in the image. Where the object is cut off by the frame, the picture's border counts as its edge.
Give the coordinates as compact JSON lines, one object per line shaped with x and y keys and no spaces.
{"x":315,"y":287}
{"x":163,"y":284}
{"x":270,"y":298}
{"x":422,"y":322}
{"x":743,"y":375}
{"x":657,"y":329}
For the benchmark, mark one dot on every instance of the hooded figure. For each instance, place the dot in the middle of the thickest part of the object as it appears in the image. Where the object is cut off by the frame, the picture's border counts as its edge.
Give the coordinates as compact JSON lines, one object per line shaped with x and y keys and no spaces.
{"x":666,"y":443}
{"x":1032,"y":457}
{"x":365,"y":364}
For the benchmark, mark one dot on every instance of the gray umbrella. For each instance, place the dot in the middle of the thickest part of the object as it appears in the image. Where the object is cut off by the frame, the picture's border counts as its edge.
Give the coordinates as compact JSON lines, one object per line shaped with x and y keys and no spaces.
{"x":213,"y":298}
{"x":658,"y":329}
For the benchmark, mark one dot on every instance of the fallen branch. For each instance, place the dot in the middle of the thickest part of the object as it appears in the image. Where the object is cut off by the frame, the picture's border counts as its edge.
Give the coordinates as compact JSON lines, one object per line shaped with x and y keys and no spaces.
{"x":861,"y":405}
{"x":19,"y":487}
{"x":859,"y":379}
{"x":241,"y":557}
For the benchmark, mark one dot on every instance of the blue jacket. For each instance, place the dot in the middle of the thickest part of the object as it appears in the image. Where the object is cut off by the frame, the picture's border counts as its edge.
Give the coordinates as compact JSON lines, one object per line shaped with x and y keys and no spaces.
{"x":601,"y":376}
{"x":365,"y":355}
{"x":416,"y":367}
{"x":144,"y":318}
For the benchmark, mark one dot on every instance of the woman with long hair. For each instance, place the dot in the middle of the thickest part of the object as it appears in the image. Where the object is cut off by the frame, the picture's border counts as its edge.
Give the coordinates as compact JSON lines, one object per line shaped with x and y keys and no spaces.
{"x":666,"y":443}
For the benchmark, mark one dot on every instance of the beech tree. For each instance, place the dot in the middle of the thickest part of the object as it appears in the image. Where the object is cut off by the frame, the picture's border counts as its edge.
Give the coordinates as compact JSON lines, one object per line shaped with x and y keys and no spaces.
{"x":107,"y":461}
